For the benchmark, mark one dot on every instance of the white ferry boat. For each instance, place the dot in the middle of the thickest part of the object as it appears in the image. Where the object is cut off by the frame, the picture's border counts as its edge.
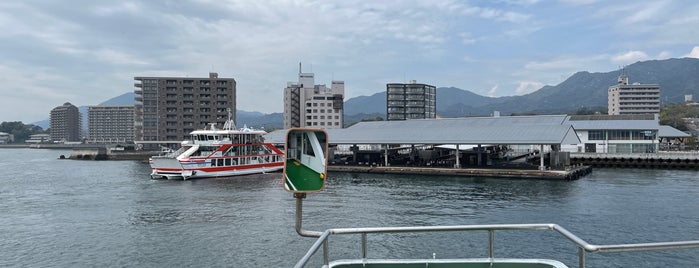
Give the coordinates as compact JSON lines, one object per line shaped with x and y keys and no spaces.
{"x":216,"y":152}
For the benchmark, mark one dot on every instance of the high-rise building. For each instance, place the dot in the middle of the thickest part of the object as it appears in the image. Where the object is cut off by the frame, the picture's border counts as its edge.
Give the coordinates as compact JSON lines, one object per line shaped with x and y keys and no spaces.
{"x":410,"y":101}
{"x":110,"y":124}
{"x":169,"y":108}
{"x":65,"y":123}
{"x":314,"y":106}
{"x":633,"y":99}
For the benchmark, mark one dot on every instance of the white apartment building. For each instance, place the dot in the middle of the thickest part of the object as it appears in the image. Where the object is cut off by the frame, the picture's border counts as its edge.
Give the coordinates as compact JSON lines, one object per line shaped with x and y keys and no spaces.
{"x":313,"y":106}
{"x":633,"y":99}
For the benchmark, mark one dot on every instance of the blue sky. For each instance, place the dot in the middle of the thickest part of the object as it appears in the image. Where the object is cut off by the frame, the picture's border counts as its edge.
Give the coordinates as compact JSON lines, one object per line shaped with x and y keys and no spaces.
{"x":85,"y":52}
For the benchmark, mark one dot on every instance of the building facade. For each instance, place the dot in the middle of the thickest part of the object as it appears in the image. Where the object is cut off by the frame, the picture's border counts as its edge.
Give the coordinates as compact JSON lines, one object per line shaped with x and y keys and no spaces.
{"x":315,"y":106}
{"x":615,"y":134}
{"x":410,"y":101}
{"x":65,"y":123}
{"x":169,"y":108}
{"x":633,"y":99}
{"x":110,"y":124}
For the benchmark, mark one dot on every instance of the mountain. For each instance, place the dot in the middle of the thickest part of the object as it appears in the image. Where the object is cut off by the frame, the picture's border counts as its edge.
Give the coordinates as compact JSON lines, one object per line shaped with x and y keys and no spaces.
{"x":583,"y":90}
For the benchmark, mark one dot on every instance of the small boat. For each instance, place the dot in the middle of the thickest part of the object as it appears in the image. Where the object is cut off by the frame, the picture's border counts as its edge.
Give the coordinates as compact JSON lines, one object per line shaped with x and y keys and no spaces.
{"x":214,"y":152}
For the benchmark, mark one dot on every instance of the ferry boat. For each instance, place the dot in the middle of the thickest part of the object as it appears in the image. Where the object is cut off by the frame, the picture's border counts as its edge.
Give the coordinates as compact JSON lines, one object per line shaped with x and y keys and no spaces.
{"x":214,"y":152}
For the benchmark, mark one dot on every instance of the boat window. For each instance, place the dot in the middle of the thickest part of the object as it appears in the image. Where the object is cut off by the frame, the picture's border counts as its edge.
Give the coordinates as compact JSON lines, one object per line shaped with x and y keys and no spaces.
{"x":228,"y":161}
{"x":211,"y":137}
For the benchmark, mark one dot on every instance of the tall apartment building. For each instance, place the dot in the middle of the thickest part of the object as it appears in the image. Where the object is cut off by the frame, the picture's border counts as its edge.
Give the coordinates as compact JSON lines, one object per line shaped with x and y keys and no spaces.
{"x":633,"y":99}
{"x":410,"y":101}
{"x":110,"y":124}
{"x":169,"y":108}
{"x":315,"y":106}
{"x":65,"y":123}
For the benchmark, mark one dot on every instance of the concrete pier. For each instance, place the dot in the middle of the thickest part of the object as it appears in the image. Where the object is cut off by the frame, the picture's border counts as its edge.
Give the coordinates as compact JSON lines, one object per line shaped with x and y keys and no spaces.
{"x":573,"y":173}
{"x":649,"y":160}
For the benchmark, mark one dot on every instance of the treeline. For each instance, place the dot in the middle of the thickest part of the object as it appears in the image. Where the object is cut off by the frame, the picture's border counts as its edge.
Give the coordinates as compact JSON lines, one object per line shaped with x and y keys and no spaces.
{"x":673,"y":114}
{"x":19,"y":130}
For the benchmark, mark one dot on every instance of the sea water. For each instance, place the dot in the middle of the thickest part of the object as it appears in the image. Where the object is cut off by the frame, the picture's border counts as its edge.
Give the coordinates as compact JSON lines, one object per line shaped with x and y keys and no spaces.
{"x":70,"y":213}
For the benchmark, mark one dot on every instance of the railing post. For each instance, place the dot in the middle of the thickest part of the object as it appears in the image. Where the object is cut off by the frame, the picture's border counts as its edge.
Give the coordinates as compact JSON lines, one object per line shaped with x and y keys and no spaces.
{"x":491,"y":243}
{"x":581,"y":257}
{"x":326,"y":255}
{"x":363,"y":245}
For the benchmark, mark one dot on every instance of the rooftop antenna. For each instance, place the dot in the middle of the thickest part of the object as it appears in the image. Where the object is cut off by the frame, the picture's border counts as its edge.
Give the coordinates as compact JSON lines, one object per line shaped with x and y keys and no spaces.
{"x":299,"y":67}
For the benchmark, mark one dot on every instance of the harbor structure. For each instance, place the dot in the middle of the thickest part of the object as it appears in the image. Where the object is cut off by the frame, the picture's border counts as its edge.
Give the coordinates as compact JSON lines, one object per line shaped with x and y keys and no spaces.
{"x":309,"y":105}
{"x":636,"y":98}
{"x":110,"y":124}
{"x":169,"y":108}
{"x":410,"y":101}
{"x":623,"y":134}
{"x":65,"y":123}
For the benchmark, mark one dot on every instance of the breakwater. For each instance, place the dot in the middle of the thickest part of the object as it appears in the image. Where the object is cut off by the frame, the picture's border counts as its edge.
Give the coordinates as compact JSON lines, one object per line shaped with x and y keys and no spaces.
{"x":650,"y":160}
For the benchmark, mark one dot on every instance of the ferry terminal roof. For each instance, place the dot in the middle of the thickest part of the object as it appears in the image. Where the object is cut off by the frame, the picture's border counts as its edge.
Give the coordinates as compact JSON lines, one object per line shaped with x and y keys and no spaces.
{"x":526,"y":130}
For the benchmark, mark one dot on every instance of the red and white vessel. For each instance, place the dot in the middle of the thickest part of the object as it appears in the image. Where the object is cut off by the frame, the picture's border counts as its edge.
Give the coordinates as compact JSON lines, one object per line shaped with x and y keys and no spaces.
{"x":216,"y":152}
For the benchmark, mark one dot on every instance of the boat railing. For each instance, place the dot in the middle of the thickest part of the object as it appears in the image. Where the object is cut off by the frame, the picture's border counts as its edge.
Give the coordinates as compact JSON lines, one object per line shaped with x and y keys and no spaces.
{"x":582,"y":245}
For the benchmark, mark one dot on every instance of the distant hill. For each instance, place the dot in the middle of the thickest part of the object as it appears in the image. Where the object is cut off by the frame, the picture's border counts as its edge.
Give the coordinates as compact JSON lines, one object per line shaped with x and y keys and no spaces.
{"x":676,"y":77}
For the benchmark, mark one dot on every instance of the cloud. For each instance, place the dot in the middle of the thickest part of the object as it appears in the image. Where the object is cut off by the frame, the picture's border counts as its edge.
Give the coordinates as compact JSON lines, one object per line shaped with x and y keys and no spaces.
{"x":492,"y":91}
{"x":630,"y":57}
{"x":664,"y":55}
{"x":694,"y":53}
{"x":526,"y":87}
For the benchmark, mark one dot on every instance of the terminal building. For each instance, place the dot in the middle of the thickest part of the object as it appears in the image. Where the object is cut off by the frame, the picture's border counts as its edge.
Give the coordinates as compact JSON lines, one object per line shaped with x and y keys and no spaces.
{"x":309,"y":105}
{"x":169,"y":108}
{"x":410,"y":101}
{"x":633,"y":99}
{"x":65,"y":123}
{"x":110,"y":124}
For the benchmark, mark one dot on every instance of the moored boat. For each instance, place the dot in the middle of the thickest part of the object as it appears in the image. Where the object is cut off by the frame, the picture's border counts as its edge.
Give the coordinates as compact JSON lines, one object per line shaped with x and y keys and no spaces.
{"x":214,"y":152}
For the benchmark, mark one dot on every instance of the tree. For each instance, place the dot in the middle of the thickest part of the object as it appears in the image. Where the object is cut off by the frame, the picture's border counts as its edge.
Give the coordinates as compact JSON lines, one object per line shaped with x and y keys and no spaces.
{"x":673,"y":114}
{"x":19,"y":130}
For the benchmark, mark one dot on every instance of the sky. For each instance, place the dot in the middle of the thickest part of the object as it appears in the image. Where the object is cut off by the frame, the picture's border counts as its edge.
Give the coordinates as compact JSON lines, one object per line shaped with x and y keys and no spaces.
{"x":86,"y":51}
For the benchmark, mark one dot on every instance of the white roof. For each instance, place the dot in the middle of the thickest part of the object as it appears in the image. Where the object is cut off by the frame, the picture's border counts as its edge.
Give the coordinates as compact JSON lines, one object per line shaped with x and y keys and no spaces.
{"x":545,"y":129}
{"x":668,"y":131}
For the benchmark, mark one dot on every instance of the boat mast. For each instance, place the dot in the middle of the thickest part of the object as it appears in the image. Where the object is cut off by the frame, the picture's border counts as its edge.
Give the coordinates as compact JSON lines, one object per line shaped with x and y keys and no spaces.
{"x":229,"y":125}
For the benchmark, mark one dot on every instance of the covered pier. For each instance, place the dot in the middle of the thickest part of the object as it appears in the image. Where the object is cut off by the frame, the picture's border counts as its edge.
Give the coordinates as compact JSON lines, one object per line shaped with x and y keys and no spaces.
{"x":457,"y":134}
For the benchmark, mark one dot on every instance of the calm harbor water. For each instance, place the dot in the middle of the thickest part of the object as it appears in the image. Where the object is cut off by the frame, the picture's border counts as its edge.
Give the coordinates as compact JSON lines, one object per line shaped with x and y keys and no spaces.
{"x":65,"y":213}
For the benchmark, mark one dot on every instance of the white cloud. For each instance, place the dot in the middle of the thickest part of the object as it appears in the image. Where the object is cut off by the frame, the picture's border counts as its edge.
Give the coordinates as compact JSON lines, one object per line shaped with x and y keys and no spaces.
{"x":526,"y":87}
{"x":694,"y":53}
{"x":630,"y":57}
{"x":493,"y":90}
{"x":664,"y":55}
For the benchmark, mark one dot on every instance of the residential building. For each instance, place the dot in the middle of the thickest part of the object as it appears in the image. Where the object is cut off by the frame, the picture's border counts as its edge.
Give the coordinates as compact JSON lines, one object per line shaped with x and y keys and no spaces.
{"x":410,"y":101}
{"x":169,"y":108}
{"x":39,"y":138}
{"x":633,"y":99}
{"x":110,"y":124}
{"x":65,"y":123}
{"x":315,"y":106}
{"x":6,"y":138}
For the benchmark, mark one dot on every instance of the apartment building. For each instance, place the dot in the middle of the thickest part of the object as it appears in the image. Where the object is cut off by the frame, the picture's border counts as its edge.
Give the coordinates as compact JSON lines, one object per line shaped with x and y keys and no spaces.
{"x":410,"y":101}
{"x":635,"y":98}
{"x":315,"y":106}
{"x":169,"y":108}
{"x":65,"y":123}
{"x":110,"y":124}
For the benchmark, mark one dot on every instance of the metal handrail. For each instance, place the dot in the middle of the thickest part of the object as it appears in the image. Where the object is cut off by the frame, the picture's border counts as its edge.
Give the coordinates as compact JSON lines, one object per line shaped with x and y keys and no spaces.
{"x":583,"y":246}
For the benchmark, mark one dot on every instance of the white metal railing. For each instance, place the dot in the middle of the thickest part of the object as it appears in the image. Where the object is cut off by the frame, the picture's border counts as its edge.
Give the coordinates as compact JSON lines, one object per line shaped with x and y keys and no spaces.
{"x":490,"y":228}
